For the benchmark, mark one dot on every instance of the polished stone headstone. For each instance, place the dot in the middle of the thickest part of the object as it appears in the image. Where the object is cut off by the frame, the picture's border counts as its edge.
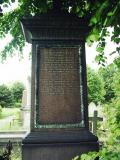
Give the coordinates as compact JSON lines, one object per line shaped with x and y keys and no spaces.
{"x":59,"y":114}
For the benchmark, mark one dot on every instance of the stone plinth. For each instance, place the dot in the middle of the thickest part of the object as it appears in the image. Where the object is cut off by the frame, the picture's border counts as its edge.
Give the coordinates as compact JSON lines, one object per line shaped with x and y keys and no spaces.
{"x":58,"y":145}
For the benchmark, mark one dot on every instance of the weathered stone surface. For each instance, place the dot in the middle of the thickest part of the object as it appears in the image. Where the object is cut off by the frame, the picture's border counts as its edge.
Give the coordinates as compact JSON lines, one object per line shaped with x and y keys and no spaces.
{"x":59,"y":85}
{"x":60,"y":151}
{"x":58,"y":145}
{"x":59,"y":89}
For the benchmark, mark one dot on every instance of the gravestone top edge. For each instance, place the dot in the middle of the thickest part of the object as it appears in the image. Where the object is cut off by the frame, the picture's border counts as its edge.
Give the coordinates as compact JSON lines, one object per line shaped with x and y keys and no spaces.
{"x":55,"y":25}
{"x":57,"y":17}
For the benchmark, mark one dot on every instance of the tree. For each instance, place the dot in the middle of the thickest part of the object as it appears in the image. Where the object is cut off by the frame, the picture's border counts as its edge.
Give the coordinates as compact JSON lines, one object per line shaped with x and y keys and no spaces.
{"x":96,"y":90}
{"x":108,"y":76}
{"x":116,"y":80}
{"x":17,"y":91}
{"x":111,"y":77}
{"x":102,"y":14}
{"x":6,"y":98}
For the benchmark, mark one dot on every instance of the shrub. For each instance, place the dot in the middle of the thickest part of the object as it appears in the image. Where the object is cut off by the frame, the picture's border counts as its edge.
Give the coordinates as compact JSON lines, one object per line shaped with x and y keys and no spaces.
{"x":6,"y":98}
{"x":17,"y":91}
{"x":17,"y":105}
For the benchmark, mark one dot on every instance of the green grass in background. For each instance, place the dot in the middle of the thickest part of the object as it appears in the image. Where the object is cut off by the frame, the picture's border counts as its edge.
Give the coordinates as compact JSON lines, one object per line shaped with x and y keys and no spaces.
{"x":15,"y":124}
{"x":16,"y":153}
{"x":8,"y":112}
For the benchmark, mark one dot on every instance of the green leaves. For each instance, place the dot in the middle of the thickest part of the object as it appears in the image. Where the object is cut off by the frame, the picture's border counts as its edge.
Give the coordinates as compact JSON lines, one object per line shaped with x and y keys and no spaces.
{"x":96,"y":89}
{"x":17,"y":91}
{"x":107,"y":74}
{"x":100,"y":7}
{"x":105,"y":15}
{"x":1,"y":1}
{"x":89,"y":156}
{"x":94,"y":36}
{"x":6,"y":98}
{"x":10,"y":95}
{"x":13,"y":27}
{"x":102,"y":14}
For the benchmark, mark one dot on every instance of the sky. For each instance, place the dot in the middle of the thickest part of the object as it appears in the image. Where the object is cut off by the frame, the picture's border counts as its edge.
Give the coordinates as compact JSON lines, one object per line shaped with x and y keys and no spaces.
{"x":14,"y":68}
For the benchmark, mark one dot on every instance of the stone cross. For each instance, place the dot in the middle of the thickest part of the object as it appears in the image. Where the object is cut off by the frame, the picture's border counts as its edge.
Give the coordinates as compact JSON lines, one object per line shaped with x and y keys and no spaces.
{"x":95,"y":120}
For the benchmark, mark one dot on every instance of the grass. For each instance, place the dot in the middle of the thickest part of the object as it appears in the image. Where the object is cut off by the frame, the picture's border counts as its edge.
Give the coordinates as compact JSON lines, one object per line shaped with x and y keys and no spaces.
{"x":15,"y":124}
{"x":16,"y":153}
{"x":13,"y":127}
{"x":8,"y":112}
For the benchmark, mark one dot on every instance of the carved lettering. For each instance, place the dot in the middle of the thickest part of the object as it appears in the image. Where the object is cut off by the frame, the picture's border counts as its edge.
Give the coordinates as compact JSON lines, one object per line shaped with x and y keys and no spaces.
{"x":59,"y":85}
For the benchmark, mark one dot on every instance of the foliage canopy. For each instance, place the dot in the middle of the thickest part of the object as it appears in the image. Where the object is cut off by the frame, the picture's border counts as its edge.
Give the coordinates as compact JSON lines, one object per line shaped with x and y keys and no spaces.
{"x":96,"y":89}
{"x":6,"y":98}
{"x":102,"y":14}
{"x":17,"y":91}
{"x":108,"y":76}
{"x":10,"y":96}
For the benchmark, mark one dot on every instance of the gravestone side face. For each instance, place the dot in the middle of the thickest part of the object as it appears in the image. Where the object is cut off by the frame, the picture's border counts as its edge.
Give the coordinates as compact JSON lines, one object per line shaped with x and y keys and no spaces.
{"x":91,"y":108}
{"x":24,"y":99}
{"x":23,"y":105}
{"x":95,"y":115}
{"x":94,"y":121}
{"x":26,"y":106}
{"x":59,"y":116}
{"x":28,"y":86}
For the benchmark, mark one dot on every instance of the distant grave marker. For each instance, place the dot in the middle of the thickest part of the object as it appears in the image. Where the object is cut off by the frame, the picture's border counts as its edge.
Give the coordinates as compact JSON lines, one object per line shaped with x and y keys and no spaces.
{"x":95,"y":119}
{"x":24,"y":98}
{"x":26,"y":106}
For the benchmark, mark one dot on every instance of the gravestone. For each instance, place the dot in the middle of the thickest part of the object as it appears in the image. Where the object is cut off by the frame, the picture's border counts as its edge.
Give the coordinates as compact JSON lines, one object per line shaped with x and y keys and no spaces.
{"x":25,"y":109}
{"x":91,"y":108}
{"x":95,"y":119}
{"x":24,"y":98}
{"x":59,"y":111}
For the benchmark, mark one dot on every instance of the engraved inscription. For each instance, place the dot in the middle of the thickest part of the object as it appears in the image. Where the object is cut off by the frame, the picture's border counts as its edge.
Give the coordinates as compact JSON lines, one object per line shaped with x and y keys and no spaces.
{"x":59,"y":84}
{"x":55,"y":71}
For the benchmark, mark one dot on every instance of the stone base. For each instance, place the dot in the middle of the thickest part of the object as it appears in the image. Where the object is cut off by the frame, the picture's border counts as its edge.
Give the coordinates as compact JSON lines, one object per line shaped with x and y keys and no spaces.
{"x":58,"y":145}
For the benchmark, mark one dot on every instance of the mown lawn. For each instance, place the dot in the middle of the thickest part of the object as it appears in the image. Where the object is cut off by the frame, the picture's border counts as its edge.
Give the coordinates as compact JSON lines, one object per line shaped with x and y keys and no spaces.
{"x":8,"y":112}
{"x":15,"y":123}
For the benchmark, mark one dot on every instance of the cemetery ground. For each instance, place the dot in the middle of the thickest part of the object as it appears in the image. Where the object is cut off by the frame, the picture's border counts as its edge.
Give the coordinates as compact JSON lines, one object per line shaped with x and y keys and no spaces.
{"x":10,"y":123}
{"x":10,"y":119}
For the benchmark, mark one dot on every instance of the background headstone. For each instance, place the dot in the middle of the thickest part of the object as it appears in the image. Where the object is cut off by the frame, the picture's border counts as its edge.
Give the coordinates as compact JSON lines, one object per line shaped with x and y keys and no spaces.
{"x":95,"y":116}
{"x":26,"y":98}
